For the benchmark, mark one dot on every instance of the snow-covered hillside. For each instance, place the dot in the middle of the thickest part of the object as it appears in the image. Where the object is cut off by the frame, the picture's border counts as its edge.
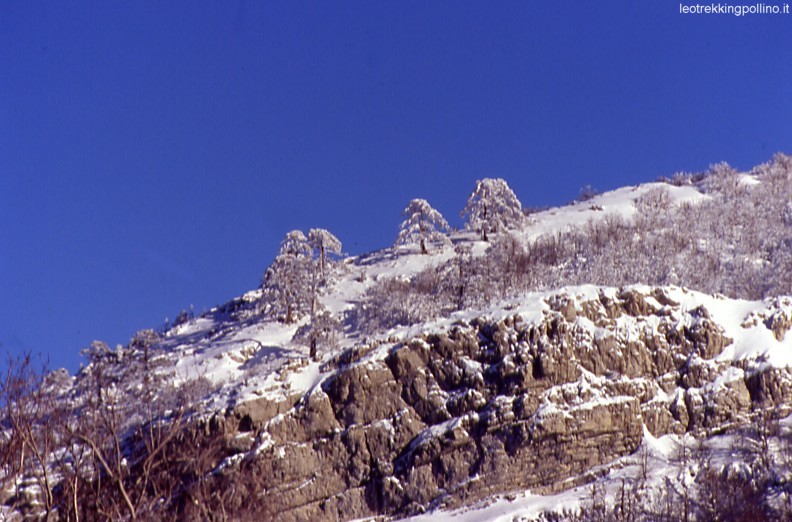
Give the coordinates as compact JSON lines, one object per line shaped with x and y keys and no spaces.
{"x":225,"y":349}
{"x":532,"y":362}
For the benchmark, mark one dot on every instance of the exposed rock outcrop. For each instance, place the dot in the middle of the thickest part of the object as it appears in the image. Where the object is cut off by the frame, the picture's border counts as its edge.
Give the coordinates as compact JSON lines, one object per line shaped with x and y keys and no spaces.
{"x":494,"y":406}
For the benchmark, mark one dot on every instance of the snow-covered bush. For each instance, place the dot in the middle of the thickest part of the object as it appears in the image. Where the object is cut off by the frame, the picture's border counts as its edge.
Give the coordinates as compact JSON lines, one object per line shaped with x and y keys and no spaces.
{"x":604,"y":232}
{"x":464,"y":280}
{"x":588,"y":193}
{"x":509,"y":265}
{"x":724,"y":180}
{"x":680,"y":179}
{"x":653,"y":202}
{"x":387,"y":304}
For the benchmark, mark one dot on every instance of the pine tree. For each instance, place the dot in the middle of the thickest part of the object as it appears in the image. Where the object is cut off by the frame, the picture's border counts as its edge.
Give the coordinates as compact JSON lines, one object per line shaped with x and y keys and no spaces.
{"x":422,"y":224}
{"x":284,"y":285}
{"x":492,"y":207}
{"x":324,"y":243}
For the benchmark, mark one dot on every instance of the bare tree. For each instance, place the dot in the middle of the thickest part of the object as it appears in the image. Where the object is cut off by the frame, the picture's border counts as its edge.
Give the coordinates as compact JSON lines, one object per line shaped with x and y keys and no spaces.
{"x":321,"y":332}
{"x":26,"y":447}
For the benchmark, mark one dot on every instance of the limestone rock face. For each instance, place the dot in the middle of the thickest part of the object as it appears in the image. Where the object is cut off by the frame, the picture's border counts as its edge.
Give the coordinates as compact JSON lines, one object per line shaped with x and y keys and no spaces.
{"x":777,"y":317}
{"x":772,"y":385}
{"x":492,"y":406}
{"x":254,"y":414}
{"x":780,"y":323}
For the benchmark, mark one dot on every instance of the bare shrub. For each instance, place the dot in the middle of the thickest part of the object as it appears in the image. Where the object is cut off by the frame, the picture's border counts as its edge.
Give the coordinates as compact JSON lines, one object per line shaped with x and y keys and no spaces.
{"x":321,"y":333}
{"x":587,"y":193}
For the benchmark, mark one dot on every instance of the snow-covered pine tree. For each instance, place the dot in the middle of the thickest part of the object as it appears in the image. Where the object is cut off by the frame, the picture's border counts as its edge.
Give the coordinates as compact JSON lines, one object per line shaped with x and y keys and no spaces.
{"x":285,"y":284}
{"x":422,"y":224}
{"x":323,"y":243}
{"x":492,"y":207}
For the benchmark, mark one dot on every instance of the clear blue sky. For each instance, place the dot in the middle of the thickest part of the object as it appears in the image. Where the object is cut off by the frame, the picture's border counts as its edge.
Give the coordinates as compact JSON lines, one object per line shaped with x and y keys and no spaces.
{"x":153,"y":154}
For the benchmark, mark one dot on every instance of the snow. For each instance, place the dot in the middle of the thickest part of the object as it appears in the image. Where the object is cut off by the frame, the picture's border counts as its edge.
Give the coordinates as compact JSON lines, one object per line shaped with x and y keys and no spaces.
{"x":749,"y":341}
{"x":749,"y":180}
{"x":225,"y":357}
{"x":247,"y":356}
{"x":438,"y":430}
{"x":504,"y":509}
{"x":305,"y":379}
{"x":256,"y":357}
{"x":620,"y":202}
{"x":730,"y":375}
{"x":226,"y":350}
{"x":358,"y":274}
{"x":662,"y":461}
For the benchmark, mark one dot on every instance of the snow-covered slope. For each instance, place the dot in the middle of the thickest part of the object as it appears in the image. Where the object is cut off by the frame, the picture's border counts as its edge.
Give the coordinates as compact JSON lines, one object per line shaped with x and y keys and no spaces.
{"x":486,"y":392}
{"x":226,"y":350}
{"x":620,"y":201}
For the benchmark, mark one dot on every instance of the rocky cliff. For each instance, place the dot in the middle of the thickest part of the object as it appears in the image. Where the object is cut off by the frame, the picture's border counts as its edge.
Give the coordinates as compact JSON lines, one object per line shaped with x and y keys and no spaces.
{"x":496,"y":405}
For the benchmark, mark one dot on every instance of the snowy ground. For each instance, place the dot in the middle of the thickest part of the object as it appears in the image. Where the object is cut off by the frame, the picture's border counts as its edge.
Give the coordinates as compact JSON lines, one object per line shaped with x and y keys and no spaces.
{"x":619,"y":201}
